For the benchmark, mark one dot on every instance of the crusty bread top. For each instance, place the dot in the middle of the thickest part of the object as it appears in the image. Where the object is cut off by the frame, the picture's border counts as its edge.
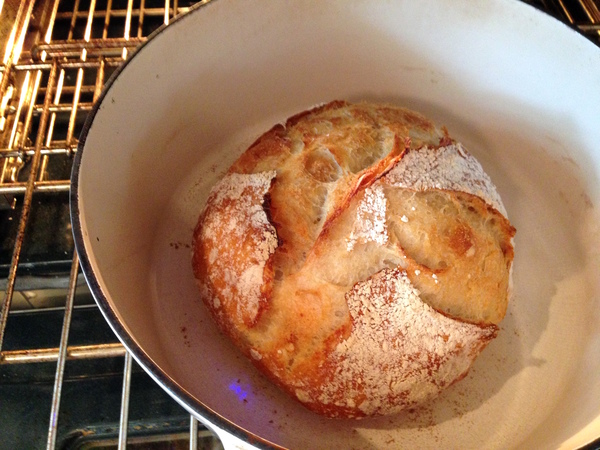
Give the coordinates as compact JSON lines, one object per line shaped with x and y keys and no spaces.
{"x":326,"y":156}
{"x":327,"y":207}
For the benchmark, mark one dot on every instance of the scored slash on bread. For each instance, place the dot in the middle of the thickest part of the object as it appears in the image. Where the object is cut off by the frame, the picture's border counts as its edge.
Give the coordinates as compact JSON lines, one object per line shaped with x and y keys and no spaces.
{"x":358,"y":255}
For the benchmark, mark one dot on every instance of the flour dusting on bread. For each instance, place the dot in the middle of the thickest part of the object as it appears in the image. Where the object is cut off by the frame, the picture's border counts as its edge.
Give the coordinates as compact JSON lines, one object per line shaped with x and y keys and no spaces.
{"x":370,"y":219}
{"x":401,"y":351}
{"x":450,"y":167}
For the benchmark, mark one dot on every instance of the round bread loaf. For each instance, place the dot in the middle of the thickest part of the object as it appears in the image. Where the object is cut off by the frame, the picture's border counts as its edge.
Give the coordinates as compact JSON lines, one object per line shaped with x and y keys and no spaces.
{"x":358,"y":255}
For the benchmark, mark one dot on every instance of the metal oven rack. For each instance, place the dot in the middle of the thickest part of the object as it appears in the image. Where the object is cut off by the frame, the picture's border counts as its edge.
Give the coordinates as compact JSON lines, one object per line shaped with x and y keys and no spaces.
{"x":65,"y":381}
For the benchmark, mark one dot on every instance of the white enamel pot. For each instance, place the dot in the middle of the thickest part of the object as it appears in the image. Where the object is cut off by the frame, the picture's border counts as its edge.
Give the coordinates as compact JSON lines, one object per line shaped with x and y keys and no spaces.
{"x":518,"y":88}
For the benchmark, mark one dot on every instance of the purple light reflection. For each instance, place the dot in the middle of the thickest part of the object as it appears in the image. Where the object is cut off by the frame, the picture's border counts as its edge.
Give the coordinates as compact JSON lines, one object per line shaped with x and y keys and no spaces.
{"x":240,"y":392}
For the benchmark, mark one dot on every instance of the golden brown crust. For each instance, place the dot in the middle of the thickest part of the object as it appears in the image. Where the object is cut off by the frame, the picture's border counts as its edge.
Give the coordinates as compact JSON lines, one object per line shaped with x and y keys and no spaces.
{"x":358,"y":255}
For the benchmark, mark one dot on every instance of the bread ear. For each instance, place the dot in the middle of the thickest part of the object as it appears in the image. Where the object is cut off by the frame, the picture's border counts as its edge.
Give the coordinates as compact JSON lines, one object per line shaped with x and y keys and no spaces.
{"x":238,"y":277}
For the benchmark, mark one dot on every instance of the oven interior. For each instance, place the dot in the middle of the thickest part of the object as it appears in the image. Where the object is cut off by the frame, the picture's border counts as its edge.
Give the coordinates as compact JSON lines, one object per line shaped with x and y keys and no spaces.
{"x":65,"y":380}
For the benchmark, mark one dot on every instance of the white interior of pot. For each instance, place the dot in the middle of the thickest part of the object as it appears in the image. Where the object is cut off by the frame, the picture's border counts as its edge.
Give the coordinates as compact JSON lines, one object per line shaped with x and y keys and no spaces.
{"x":521,"y":91}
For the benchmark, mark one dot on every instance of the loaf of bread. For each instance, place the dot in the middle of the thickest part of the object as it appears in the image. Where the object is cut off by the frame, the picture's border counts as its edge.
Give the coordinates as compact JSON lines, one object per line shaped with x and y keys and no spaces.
{"x":358,"y":255}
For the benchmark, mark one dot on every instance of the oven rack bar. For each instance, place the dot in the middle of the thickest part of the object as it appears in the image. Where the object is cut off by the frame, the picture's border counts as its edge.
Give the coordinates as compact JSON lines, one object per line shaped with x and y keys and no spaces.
{"x":93,"y":47}
{"x":39,"y":355}
{"x":62,"y":355}
{"x":20,"y":188}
